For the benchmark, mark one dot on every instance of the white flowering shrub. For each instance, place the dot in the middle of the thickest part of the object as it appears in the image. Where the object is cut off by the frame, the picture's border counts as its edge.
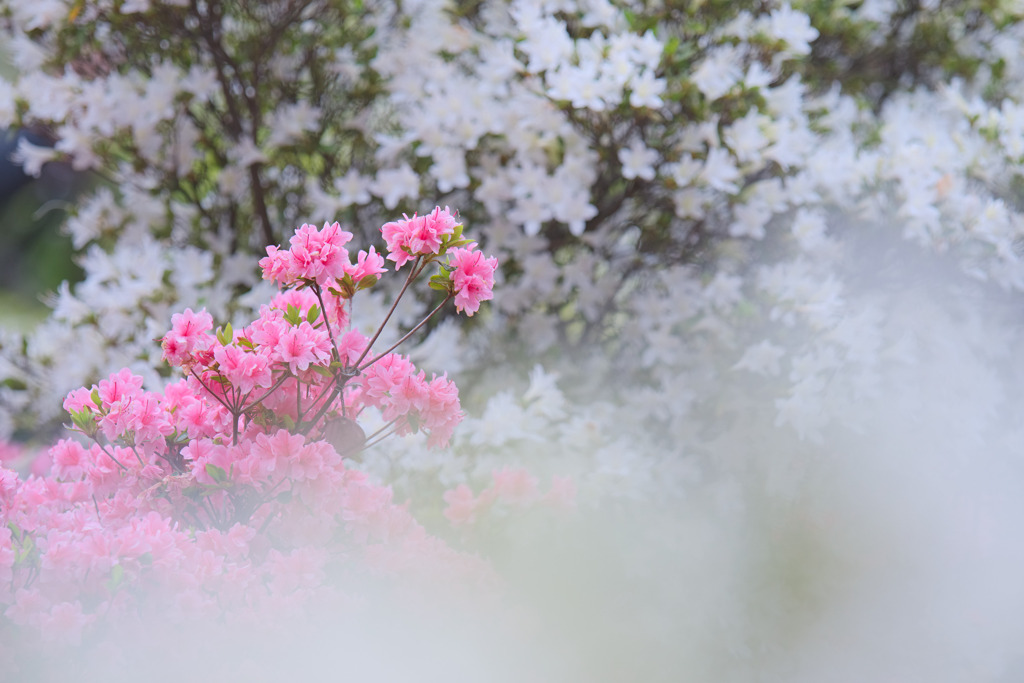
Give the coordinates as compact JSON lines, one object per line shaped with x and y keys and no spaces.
{"x":602,"y":146}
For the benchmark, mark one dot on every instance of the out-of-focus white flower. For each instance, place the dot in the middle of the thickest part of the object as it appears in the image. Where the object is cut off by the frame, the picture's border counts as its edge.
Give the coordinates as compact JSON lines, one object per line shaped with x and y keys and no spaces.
{"x":352,"y":188}
{"x":245,"y":153}
{"x":761,"y":358}
{"x":638,"y":161}
{"x":646,"y":90}
{"x":394,"y":184}
{"x":720,"y":171}
{"x":32,"y":157}
{"x":718,"y":73}
{"x":792,"y":27}
{"x":290,"y":122}
{"x":78,"y":144}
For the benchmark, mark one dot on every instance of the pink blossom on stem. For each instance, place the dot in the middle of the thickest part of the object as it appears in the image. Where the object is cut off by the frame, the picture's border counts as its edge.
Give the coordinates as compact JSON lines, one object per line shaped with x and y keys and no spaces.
{"x":189,"y":333}
{"x":69,"y":460}
{"x":419,"y":235}
{"x":277,"y":265}
{"x":118,"y":387}
{"x":351,"y":346}
{"x":367,"y":263}
{"x":443,"y":411}
{"x":409,"y":394}
{"x":148,"y":421}
{"x":472,"y":278}
{"x":302,"y":345}
{"x":246,"y":370}
{"x":79,"y":399}
{"x":266,"y":331}
{"x":315,"y":255}
{"x":320,"y":254}
{"x":388,"y":372}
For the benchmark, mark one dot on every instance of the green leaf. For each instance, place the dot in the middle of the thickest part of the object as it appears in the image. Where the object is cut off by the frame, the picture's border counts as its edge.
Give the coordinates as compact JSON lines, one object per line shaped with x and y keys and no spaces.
{"x":367,"y":282}
{"x":288,"y":422}
{"x":25,"y":547}
{"x":225,"y":334}
{"x":313,"y":313}
{"x":439,"y":286}
{"x":216,"y":473}
{"x":116,"y":576}
{"x":321,"y":370}
{"x":292,"y":315}
{"x":85,"y":420}
{"x":12,"y":383}
{"x":95,"y":396}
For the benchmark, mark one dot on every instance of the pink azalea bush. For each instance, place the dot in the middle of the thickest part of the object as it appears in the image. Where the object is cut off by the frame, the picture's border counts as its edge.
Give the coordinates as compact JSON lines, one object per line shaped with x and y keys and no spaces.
{"x":512,"y":489}
{"x":226,"y":495}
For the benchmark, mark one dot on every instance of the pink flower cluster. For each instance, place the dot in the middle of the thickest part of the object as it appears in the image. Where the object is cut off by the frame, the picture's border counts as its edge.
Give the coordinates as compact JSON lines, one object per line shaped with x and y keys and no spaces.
{"x":419,"y":235}
{"x":394,"y":385}
{"x":188,"y":334}
{"x":513,"y":488}
{"x":467,"y":275}
{"x":472,"y":277}
{"x":222,"y":495}
{"x":90,"y":544}
{"x":319,"y":256}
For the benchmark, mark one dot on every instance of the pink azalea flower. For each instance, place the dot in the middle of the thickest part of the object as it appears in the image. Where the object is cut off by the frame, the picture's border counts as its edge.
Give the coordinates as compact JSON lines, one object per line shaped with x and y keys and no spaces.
{"x":69,"y":459}
{"x":147,"y":506}
{"x":303,"y":345}
{"x":278,"y":266}
{"x":148,"y":420}
{"x":382,"y":376}
{"x":367,"y":263}
{"x":79,"y":399}
{"x":246,"y":370}
{"x":266,"y":331}
{"x":515,"y":486}
{"x":419,"y":235}
{"x":409,"y":394}
{"x":443,"y":412}
{"x":189,"y":333}
{"x":118,"y":387}
{"x":472,"y":277}
{"x":351,"y":346}
{"x":319,"y":254}
{"x":462,"y":505}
